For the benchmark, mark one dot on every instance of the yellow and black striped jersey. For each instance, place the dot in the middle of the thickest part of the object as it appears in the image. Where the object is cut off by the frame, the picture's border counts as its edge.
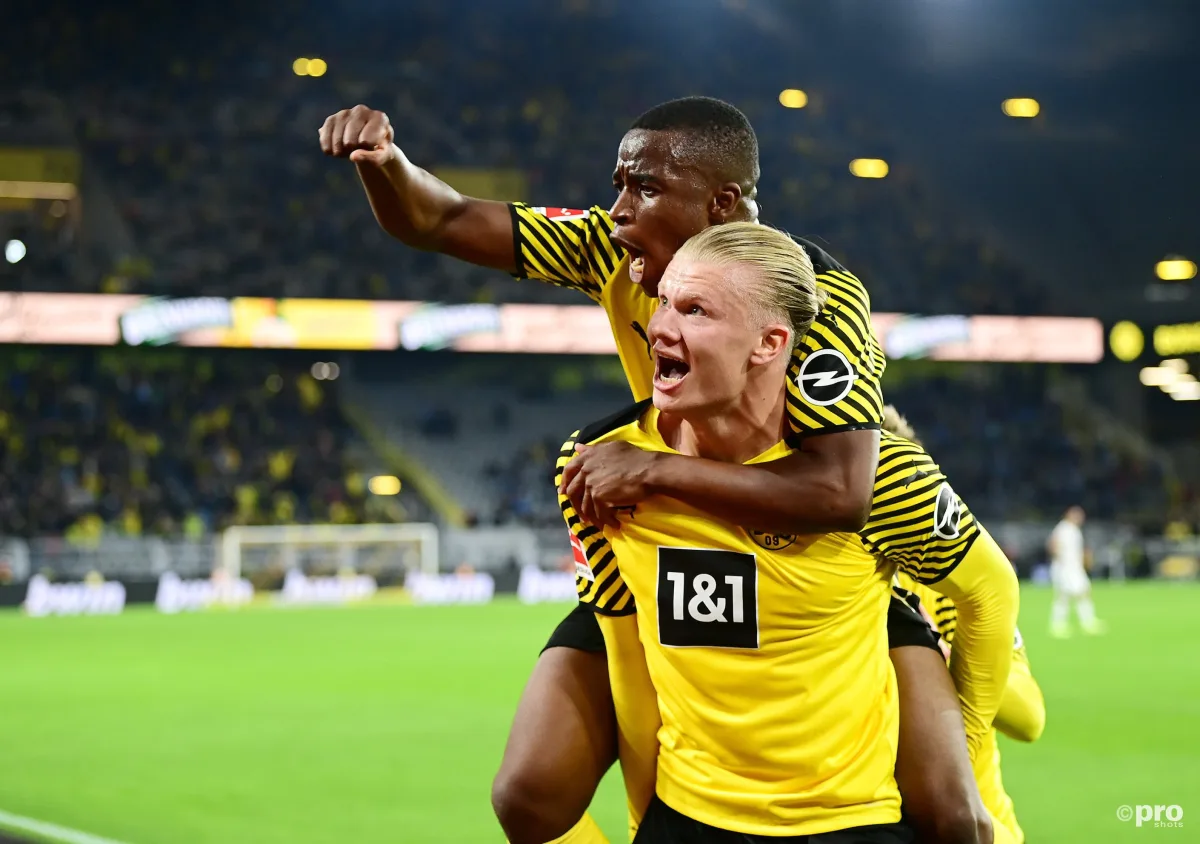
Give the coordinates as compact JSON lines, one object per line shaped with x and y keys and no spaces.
{"x":917,"y":520}
{"x":747,"y":640}
{"x":834,"y":376}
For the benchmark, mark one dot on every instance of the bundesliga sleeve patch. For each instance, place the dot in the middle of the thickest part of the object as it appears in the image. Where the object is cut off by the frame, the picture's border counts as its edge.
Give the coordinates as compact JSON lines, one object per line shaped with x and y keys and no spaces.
{"x":826,"y":377}
{"x":582,"y":569}
{"x":561,"y":213}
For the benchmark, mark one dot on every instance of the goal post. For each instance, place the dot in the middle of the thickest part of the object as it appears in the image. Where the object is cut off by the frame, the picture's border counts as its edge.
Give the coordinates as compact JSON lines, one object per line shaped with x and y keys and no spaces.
{"x":388,"y":549}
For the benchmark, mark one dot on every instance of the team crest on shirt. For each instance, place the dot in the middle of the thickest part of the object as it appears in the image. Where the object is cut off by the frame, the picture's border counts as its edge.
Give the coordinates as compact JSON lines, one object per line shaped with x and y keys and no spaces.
{"x":947,"y":514}
{"x":562,"y":213}
{"x":772,"y":541}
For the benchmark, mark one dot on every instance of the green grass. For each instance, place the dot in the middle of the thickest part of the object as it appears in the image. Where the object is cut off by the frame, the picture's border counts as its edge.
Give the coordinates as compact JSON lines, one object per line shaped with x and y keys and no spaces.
{"x":387,"y":723}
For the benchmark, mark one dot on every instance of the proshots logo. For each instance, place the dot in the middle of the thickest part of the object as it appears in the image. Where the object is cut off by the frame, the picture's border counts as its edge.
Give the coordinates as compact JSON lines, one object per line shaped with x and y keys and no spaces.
{"x":1160,"y":817}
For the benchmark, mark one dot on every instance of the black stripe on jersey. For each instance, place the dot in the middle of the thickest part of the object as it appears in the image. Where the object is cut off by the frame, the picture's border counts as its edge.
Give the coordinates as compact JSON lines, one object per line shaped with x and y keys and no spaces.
{"x":602,"y":233}
{"x":794,"y":438}
{"x":552,"y":261}
{"x":846,"y":321}
{"x":565,"y":246}
{"x":625,"y":416}
{"x":833,"y":325}
{"x":904,"y":477}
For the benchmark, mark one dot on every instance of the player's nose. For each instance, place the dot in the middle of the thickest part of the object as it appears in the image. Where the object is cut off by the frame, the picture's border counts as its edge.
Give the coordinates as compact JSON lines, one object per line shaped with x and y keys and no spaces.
{"x":663,"y":327}
{"x":621,"y":211}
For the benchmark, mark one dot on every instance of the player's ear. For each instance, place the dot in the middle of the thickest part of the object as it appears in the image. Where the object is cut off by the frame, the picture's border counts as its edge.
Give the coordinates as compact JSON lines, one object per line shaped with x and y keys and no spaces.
{"x":776,"y":340}
{"x":725,"y":205}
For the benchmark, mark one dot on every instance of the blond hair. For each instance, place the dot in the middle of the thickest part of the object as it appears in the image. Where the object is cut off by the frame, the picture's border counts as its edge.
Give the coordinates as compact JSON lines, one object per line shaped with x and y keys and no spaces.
{"x":786,"y":287}
{"x":896,"y":424}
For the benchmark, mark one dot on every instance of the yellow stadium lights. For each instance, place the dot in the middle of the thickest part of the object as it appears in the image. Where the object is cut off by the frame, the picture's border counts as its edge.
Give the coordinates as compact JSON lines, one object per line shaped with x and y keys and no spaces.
{"x":1156,"y":376}
{"x":300,"y":67}
{"x":1021,"y":107}
{"x":317,"y":67}
{"x":869,"y":168}
{"x":384,"y":485}
{"x":1126,"y":341}
{"x":1175,"y":269}
{"x":793,"y":98}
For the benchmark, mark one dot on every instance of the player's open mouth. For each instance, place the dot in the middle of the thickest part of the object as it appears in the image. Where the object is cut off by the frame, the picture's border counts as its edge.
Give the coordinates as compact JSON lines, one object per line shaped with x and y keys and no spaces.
{"x":637,"y":266}
{"x":668,"y":371}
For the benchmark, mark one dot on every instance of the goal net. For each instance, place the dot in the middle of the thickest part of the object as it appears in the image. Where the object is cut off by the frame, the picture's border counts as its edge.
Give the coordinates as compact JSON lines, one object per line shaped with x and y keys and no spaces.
{"x":266,"y":556}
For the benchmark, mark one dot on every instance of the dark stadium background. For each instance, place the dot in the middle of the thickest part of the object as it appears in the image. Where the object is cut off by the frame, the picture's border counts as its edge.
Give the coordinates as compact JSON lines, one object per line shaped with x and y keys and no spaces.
{"x":170,"y":150}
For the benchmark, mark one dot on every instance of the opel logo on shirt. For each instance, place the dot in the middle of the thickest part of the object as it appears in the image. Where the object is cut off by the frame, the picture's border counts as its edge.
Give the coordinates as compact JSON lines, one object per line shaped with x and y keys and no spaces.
{"x":947,"y":513}
{"x":826,"y":377}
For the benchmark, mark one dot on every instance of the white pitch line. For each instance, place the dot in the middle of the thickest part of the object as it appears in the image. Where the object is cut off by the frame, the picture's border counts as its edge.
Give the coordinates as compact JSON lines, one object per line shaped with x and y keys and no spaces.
{"x":54,"y":832}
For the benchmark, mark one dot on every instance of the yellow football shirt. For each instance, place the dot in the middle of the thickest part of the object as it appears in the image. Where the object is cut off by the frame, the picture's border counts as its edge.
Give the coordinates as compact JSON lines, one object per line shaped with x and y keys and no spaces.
{"x":746,"y":639}
{"x":833,"y":379}
{"x":986,"y":763}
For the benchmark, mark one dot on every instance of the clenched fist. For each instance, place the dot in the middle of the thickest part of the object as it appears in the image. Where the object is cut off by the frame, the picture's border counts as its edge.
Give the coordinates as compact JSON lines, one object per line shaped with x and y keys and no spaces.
{"x":361,"y":134}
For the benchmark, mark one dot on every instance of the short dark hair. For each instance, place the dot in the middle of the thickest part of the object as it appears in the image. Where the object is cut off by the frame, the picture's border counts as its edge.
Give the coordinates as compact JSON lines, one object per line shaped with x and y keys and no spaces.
{"x":724,"y":138}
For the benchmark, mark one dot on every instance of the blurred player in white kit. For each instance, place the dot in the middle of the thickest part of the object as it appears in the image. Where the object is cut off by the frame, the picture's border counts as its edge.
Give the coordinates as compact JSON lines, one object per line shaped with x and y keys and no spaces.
{"x":1069,"y":577}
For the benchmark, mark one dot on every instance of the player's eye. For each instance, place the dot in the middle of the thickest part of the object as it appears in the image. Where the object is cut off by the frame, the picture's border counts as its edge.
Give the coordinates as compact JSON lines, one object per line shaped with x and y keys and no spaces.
{"x":662,"y":300}
{"x":695,"y":310}
{"x":648,"y":191}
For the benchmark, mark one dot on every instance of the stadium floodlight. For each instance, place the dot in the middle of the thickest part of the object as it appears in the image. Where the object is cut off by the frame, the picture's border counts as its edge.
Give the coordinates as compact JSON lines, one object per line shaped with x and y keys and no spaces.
{"x":384,"y":485}
{"x":1185,"y":391}
{"x":869,"y":168}
{"x":1156,"y":376}
{"x":14,"y":251}
{"x":1176,"y":365}
{"x":793,"y":98}
{"x":379,"y":549}
{"x":1025,"y":107}
{"x":1175,"y":269}
{"x":300,"y":67}
{"x":317,"y":67}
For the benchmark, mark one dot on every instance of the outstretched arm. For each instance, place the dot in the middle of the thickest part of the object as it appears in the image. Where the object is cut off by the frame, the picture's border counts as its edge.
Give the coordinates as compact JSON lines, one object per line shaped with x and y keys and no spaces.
{"x":413,"y":205}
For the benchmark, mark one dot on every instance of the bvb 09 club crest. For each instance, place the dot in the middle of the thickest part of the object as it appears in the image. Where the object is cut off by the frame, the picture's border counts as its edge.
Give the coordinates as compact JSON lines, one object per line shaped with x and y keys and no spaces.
{"x":772,"y":541}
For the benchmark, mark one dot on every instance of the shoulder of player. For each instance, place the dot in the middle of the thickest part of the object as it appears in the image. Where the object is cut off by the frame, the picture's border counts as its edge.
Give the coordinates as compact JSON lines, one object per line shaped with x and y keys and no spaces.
{"x":626,"y":416}
{"x":831,"y":273}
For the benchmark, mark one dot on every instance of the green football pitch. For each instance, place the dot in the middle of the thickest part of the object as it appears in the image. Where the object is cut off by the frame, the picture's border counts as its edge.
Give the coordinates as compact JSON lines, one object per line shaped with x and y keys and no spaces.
{"x":386,"y":723}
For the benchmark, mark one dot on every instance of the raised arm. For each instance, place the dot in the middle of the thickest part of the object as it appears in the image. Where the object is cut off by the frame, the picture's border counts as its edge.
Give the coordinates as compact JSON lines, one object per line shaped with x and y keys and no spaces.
{"x":413,"y":205}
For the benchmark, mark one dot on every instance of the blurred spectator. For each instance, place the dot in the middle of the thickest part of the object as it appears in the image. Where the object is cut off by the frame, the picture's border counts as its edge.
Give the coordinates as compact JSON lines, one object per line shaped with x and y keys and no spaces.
{"x":134,"y":442}
{"x":206,"y":143}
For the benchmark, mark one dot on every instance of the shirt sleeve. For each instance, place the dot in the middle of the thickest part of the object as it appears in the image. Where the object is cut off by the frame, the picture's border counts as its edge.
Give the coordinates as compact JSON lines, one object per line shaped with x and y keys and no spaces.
{"x":567,"y":247}
{"x":917,"y":520}
{"x":1022,"y":713}
{"x":985,"y":594}
{"x":598,"y":581}
{"x":833,"y":379}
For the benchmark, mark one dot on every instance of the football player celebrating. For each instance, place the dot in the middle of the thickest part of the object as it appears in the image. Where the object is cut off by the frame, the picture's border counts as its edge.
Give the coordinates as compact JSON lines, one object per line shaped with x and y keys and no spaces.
{"x":683,"y":166}
{"x":765,"y":733}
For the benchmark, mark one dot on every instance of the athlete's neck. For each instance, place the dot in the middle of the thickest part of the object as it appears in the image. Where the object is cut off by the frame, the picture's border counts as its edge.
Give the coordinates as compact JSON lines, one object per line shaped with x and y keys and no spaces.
{"x":740,"y":432}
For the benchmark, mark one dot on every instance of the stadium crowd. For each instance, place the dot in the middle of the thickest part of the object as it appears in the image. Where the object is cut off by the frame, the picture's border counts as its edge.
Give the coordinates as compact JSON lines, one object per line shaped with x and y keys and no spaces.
{"x":207,"y":147}
{"x":136,"y":442}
